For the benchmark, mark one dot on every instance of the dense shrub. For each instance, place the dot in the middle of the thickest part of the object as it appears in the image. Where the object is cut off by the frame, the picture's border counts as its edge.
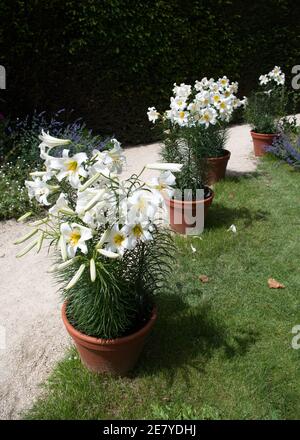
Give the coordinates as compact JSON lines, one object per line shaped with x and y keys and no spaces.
{"x":111,"y":59}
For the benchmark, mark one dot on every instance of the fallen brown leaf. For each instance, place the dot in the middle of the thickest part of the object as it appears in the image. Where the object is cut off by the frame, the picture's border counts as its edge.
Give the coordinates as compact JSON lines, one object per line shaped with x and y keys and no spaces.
{"x":274,"y":284}
{"x":204,"y":278}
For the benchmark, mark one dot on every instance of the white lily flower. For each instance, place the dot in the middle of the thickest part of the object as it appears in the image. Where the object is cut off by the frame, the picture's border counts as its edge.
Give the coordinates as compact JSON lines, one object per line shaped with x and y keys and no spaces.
{"x":75,"y":237}
{"x":165,"y":166}
{"x":70,"y":167}
{"x":39,"y":190}
{"x":142,"y":205}
{"x":263,"y":79}
{"x":163,"y":183}
{"x":152,"y":114}
{"x":183,"y":91}
{"x":208,"y":116}
{"x":117,"y":240}
{"x":114,"y":158}
{"x":136,"y":232}
{"x":223,"y":82}
{"x":51,"y":141}
{"x":61,"y":205}
{"x":178,"y":103}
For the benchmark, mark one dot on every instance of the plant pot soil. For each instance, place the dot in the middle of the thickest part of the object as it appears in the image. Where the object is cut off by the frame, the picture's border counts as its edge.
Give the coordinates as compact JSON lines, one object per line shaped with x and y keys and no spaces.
{"x":184,"y":210}
{"x":217,"y":167}
{"x":115,"y":356}
{"x":261,"y":141}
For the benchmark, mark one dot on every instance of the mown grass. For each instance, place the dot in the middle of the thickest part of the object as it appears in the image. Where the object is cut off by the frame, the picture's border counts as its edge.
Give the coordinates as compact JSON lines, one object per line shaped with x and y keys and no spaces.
{"x":222,"y":349}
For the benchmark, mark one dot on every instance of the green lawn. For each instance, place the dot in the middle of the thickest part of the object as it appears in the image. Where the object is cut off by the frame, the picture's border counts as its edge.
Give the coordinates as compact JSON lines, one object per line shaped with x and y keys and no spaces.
{"x":221,"y":349}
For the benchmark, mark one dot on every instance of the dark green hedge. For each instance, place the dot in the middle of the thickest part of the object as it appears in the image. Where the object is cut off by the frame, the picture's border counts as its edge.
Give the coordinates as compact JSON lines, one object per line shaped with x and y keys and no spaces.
{"x":111,"y":59}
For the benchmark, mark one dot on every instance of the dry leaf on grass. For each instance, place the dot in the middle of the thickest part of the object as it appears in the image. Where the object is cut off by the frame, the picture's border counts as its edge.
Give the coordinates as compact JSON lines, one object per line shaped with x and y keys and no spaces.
{"x":274,"y":284}
{"x":204,"y":278}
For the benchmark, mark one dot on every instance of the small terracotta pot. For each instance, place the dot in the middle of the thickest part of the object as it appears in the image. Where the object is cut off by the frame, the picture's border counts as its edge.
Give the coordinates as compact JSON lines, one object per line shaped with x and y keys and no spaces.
{"x":217,"y":167}
{"x":183,"y":210}
{"x":115,"y":356}
{"x":261,"y":141}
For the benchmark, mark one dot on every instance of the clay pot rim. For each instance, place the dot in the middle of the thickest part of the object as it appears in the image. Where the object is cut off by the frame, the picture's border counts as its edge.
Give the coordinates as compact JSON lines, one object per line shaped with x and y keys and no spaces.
{"x":187,"y":202}
{"x":108,"y":342}
{"x":226,"y":155}
{"x":262,"y":135}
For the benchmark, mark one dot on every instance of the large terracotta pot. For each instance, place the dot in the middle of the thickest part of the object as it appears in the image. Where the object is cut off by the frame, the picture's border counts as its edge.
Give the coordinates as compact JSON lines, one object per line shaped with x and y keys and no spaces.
{"x":217,"y":167}
{"x":261,"y":141}
{"x":184,"y":210}
{"x":115,"y":356}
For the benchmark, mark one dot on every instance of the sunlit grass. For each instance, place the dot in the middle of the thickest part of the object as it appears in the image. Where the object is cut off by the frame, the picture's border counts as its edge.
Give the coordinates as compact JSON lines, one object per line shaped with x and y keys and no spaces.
{"x":220,"y":349}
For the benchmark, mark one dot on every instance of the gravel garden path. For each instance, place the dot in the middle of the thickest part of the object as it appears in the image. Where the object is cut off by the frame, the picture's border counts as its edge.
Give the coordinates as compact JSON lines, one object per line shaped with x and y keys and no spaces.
{"x":32,"y":337}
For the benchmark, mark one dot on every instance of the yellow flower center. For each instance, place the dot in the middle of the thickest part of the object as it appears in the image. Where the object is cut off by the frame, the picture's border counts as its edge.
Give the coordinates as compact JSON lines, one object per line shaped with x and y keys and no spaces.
{"x":137,"y":230}
{"x":206,"y":117}
{"x":181,"y":115}
{"x":118,"y":239}
{"x":74,"y":237}
{"x":216,"y":98}
{"x":223,"y":105}
{"x":72,"y":166}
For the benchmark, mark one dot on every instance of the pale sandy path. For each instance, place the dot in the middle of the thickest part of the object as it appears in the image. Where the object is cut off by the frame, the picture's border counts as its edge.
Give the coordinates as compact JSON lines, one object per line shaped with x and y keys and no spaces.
{"x":30,"y":310}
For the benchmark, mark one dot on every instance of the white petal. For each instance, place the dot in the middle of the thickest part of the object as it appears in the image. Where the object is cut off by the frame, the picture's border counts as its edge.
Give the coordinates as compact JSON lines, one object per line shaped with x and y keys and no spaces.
{"x":164,"y":166}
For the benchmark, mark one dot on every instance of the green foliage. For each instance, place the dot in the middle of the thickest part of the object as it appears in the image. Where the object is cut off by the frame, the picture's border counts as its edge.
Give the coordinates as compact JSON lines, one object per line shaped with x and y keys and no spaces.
{"x":265,"y":108}
{"x":121,"y":299}
{"x":109,"y":60}
{"x":14,"y":200}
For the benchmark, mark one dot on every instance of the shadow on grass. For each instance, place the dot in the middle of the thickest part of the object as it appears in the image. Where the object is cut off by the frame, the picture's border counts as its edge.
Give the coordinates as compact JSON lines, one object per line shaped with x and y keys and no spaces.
{"x":187,"y":337}
{"x":220,"y":215}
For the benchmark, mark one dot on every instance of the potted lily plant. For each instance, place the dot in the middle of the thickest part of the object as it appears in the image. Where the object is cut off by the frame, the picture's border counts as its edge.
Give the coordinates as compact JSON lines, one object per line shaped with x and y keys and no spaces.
{"x":200,"y":115}
{"x":194,"y":134}
{"x":265,"y":108}
{"x":111,"y":253}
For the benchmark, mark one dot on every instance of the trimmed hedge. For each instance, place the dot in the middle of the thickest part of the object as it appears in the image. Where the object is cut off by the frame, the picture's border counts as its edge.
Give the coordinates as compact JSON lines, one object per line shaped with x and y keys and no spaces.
{"x":111,"y":59}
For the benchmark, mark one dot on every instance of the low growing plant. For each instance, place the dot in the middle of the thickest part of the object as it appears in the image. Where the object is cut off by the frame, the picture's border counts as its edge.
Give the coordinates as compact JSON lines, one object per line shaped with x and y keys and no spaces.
{"x":111,"y":254}
{"x":14,"y":198}
{"x":266,"y":106}
{"x":286,"y":146}
{"x":195,"y":126}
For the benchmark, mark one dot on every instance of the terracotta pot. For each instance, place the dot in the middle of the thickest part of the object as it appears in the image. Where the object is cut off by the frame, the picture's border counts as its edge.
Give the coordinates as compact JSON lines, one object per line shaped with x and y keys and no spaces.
{"x":217,"y":167}
{"x":180,"y":213}
{"x":115,"y":356}
{"x":261,"y":141}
